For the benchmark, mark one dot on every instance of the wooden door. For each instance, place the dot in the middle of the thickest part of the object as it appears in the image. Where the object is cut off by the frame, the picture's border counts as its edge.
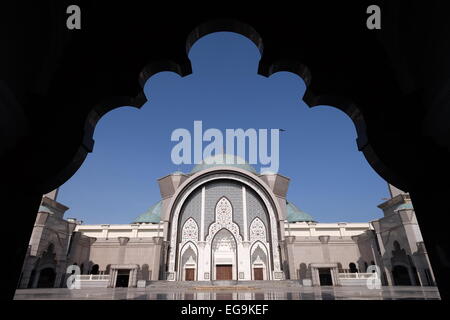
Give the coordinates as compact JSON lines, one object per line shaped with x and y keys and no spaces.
{"x":189,"y":276}
{"x":258,"y":274}
{"x":224,"y":272}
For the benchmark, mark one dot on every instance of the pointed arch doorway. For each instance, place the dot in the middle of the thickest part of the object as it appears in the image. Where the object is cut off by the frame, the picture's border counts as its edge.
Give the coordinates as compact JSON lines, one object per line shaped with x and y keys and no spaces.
{"x":224,"y":256}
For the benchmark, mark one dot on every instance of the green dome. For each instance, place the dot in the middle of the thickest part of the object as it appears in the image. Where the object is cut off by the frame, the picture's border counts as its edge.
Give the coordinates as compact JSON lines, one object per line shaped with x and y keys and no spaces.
{"x":294,"y":214}
{"x":44,"y":209}
{"x":404,"y":206}
{"x":223,"y":160}
{"x":153,"y":215}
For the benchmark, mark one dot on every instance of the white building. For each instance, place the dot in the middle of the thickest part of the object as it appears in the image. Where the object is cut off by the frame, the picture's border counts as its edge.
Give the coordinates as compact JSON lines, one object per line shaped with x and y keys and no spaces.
{"x":224,"y":221}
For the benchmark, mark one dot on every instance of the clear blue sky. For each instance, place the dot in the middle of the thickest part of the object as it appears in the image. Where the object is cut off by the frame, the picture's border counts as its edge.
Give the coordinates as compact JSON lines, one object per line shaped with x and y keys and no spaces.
{"x":330,"y":178}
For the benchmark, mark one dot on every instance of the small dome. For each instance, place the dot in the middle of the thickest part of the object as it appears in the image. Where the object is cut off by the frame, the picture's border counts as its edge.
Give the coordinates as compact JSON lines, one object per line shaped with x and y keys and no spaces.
{"x":294,"y":214}
{"x":223,"y":160}
{"x":404,"y":206}
{"x":44,"y":209}
{"x":153,"y":214}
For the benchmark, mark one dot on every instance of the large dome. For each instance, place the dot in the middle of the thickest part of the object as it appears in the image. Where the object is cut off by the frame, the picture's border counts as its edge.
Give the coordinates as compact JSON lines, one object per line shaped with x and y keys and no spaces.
{"x":153,"y":214}
{"x":223,"y":160}
{"x":294,"y":214}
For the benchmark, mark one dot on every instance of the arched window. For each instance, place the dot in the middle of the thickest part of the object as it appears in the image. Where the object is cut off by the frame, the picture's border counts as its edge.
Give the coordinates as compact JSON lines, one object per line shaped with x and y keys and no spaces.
{"x":352,"y":267}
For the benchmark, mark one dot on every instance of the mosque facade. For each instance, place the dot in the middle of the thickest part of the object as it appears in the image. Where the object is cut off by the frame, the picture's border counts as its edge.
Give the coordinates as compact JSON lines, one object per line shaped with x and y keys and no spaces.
{"x":224,"y":221}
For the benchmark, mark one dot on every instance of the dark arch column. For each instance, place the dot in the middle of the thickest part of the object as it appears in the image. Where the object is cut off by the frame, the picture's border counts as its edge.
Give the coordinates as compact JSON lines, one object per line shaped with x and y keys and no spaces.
{"x":393,"y":83}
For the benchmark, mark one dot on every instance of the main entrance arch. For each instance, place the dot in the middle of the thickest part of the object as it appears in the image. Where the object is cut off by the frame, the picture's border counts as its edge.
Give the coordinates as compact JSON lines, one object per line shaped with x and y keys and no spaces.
{"x":231,"y":220}
{"x":224,"y":257}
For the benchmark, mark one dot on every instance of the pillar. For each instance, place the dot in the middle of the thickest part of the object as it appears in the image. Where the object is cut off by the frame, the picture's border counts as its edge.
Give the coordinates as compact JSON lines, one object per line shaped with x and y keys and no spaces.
{"x":201,"y":265}
{"x":158,"y":243}
{"x":244,"y":212}
{"x":16,"y":198}
{"x":387,"y":267}
{"x":123,"y":241}
{"x":60,"y":270}
{"x":26,"y":272}
{"x":429,"y":205}
{"x":325,"y":249}
{"x":289,"y":244}
{"x":244,"y":261}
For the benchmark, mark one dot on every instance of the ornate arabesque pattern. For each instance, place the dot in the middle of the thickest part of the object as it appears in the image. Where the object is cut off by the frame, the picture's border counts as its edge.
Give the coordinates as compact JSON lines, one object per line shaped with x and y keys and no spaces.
{"x":188,"y":256}
{"x":277,"y":273}
{"x":257,"y":230}
{"x":224,"y":219}
{"x":259,"y":252}
{"x":223,"y":241}
{"x":190,"y":231}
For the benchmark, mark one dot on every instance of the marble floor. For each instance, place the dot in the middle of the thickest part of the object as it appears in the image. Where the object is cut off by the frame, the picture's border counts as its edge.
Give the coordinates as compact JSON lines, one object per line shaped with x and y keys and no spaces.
{"x":230,"y":293}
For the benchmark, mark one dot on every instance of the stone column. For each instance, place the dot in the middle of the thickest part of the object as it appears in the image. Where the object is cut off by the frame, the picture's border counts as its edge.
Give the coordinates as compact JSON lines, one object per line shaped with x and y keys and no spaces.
{"x":387,"y":267}
{"x":165,"y":254}
{"x":428,"y":205}
{"x":27,"y":270}
{"x":25,"y":278}
{"x":412,"y":276}
{"x":113,"y":276}
{"x":423,"y":251}
{"x":133,"y":277}
{"x":207,"y":261}
{"x":16,"y":197}
{"x":201,"y":263}
{"x":60,"y":270}
{"x":315,"y":277}
{"x":335,"y":276}
{"x":244,"y":212}
{"x":158,"y":242}
{"x":202,"y":216}
{"x":289,"y":244}
{"x":123,"y":242}
{"x":325,"y":249}
{"x":245,"y":259}
{"x":36,"y":279}
{"x":105,"y":230}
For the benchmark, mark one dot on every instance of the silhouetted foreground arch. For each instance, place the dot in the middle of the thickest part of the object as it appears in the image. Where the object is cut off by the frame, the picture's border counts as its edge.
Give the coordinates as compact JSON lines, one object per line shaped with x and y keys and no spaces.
{"x":56,"y":84}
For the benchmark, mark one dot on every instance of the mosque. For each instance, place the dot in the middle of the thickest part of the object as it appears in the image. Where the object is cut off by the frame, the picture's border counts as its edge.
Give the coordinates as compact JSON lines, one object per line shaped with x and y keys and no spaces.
{"x":224,"y":221}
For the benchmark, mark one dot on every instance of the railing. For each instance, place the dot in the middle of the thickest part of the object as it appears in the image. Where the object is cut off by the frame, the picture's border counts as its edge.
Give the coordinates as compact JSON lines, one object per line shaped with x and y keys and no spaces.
{"x":358,"y":275}
{"x":92,"y":277}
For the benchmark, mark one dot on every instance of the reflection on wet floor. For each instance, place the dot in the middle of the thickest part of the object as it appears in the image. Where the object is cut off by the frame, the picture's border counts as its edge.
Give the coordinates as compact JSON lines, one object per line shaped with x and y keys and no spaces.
{"x":311,"y":293}
{"x":317,"y":295}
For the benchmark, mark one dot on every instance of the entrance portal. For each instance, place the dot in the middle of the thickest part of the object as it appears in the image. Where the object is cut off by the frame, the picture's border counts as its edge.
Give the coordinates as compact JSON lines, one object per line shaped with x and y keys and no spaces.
{"x":224,"y":261}
{"x":123,"y":277}
{"x":46,"y":278}
{"x":401,"y":276}
{"x":189,"y":275}
{"x":224,"y":272}
{"x":258,"y":274}
{"x":325,"y":277}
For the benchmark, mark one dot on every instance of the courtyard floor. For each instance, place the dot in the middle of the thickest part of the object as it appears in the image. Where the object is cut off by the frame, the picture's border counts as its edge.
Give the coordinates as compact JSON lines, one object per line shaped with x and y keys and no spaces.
{"x":232,"y":293}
